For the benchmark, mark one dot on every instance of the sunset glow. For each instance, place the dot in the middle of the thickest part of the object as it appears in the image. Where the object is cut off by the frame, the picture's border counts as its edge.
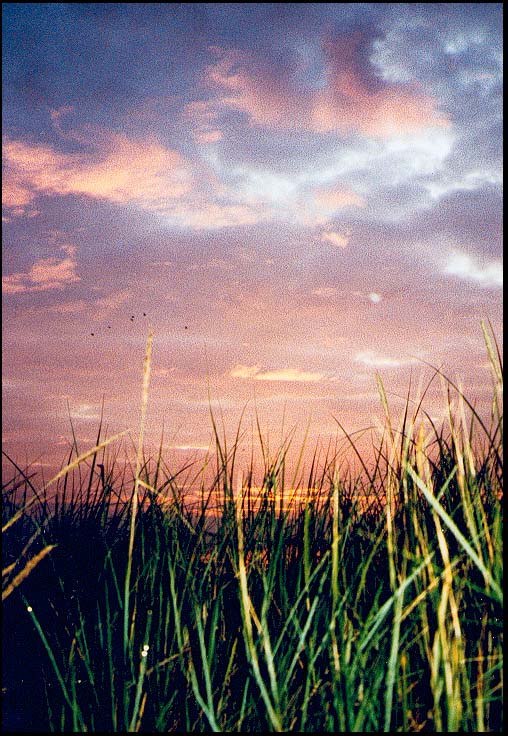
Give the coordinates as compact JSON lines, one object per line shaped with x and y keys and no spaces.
{"x":294,"y":197}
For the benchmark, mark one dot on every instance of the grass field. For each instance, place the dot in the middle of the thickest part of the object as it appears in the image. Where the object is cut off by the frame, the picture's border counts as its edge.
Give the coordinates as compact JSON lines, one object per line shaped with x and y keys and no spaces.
{"x":352,"y":603}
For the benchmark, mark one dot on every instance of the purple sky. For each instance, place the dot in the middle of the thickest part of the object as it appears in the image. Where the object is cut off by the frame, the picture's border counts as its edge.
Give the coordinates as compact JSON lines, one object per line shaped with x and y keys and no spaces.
{"x":296,"y":196}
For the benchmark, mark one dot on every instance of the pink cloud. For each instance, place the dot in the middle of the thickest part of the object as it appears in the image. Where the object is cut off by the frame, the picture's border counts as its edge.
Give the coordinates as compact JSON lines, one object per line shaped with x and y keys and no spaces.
{"x":337,"y":239}
{"x":258,"y":93}
{"x":50,"y":272}
{"x":44,"y":275}
{"x":324,"y":291}
{"x":202,"y":117}
{"x":14,"y":283}
{"x":15,"y":194}
{"x":347,"y":103}
{"x":337,"y":198}
{"x":208,"y":136}
{"x":119,"y":169}
{"x":124,"y":171}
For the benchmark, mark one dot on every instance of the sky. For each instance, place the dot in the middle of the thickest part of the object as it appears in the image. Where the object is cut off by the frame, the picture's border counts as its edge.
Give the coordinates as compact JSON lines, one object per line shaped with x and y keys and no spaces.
{"x":294,"y":197}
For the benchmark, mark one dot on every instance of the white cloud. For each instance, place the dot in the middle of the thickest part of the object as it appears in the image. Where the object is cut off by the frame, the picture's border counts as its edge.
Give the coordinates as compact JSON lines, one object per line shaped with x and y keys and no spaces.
{"x":468,"y":182}
{"x":372,"y":359}
{"x":466,"y":267}
{"x":203,"y":215}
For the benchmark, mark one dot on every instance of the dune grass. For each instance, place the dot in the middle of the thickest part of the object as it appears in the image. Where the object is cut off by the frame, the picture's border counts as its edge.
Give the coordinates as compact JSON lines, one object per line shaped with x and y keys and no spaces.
{"x":365,"y":603}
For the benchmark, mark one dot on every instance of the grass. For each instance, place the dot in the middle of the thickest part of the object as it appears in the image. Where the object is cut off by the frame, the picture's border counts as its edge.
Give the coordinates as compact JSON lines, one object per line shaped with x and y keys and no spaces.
{"x":355,"y":603}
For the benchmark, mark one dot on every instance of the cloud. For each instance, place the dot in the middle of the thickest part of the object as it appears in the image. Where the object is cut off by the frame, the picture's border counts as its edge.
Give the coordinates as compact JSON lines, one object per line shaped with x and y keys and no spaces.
{"x":46,"y":274}
{"x":118,"y":169}
{"x":371,"y":359}
{"x":162,"y":372}
{"x":254,"y":92}
{"x":14,"y":194}
{"x":347,"y":102}
{"x":337,"y":239}
{"x":283,"y":374}
{"x":101,"y":307}
{"x":466,"y":267}
{"x":124,"y":171}
{"x":209,"y":215}
{"x":338,"y":198}
{"x":245,"y":371}
{"x":203,"y":119}
{"x":469,"y":181}
{"x":208,"y":136}
{"x":350,"y":102}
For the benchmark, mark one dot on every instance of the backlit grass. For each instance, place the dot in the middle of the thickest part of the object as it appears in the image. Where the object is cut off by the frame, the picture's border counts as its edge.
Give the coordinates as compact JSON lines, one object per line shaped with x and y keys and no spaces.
{"x":368,"y":603}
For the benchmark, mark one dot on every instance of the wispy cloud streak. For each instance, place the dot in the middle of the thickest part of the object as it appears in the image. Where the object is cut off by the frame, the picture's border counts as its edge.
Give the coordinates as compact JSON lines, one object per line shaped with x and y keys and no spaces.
{"x":282,"y":374}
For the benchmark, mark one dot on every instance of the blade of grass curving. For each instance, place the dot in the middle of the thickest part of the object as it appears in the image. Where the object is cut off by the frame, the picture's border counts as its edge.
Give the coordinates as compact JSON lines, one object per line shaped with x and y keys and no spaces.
{"x":25,"y":572}
{"x":489,"y":581}
{"x":25,"y":478}
{"x":59,"y":475}
{"x":382,"y":613}
{"x":300,"y":646}
{"x":292,"y":613}
{"x":355,"y":449}
{"x":471,"y":408}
